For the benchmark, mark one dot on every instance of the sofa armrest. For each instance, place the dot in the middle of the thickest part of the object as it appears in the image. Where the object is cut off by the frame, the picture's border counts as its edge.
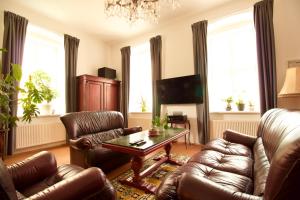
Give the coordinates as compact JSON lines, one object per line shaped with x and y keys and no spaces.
{"x":90,"y":183}
{"x":32,"y":169}
{"x":192,"y":187}
{"x":240,"y":138}
{"x":128,"y":131}
{"x":81,"y":143}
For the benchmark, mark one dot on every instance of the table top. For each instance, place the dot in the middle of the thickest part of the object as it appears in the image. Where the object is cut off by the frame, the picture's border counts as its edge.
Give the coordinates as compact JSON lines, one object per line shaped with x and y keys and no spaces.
{"x":122,"y":144}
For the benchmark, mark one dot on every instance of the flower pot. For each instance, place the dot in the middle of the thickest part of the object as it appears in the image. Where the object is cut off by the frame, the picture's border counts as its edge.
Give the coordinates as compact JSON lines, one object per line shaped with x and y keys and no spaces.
{"x":228,"y":107}
{"x":241,"y":107}
{"x":3,"y":143}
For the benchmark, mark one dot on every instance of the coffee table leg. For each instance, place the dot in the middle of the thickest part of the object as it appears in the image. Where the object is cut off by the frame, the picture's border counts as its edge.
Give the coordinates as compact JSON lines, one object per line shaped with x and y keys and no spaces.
{"x":136,"y":166}
{"x":168,"y":148}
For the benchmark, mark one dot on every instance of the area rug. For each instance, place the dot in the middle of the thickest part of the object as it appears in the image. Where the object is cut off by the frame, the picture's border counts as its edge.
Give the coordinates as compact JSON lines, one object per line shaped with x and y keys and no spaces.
{"x":130,"y":193}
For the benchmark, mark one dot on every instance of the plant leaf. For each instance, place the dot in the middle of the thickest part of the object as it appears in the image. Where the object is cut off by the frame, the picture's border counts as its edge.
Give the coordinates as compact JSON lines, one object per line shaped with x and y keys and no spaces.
{"x":16,"y":71}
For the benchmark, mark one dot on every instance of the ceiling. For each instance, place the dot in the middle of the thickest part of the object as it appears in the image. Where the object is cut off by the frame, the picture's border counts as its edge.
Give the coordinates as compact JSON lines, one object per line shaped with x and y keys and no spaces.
{"x":89,"y":15}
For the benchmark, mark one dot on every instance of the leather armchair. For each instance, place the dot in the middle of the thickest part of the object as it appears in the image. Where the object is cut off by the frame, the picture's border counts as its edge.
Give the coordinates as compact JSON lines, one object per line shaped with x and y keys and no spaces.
{"x":86,"y":132}
{"x":242,"y":167}
{"x":39,"y":178}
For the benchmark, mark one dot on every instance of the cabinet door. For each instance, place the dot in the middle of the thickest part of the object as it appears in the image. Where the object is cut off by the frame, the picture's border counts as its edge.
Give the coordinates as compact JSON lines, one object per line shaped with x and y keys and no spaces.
{"x":111,"y":97}
{"x":95,"y":96}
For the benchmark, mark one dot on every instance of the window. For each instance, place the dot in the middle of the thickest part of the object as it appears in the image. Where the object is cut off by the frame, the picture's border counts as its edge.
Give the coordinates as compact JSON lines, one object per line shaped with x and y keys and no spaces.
{"x":44,"y":51}
{"x":140,"y":94}
{"x":232,"y":62}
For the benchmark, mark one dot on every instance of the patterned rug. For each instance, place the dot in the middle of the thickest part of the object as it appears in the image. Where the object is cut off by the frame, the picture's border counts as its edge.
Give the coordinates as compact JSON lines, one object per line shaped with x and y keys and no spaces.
{"x":130,"y":193}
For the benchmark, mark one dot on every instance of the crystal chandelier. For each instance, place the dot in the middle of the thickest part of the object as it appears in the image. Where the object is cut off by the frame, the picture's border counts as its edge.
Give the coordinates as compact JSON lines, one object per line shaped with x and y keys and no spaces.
{"x":134,"y":10}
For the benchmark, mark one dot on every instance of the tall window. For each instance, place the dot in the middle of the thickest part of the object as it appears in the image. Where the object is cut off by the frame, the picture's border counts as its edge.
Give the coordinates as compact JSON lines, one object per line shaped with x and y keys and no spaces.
{"x":232,"y":62}
{"x":140,"y":94}
{"x":44,"y":51}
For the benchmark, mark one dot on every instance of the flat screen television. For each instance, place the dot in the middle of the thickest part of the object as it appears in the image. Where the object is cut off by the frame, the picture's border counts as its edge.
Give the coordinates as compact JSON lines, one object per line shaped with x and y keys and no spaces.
{"x":180,"y":90}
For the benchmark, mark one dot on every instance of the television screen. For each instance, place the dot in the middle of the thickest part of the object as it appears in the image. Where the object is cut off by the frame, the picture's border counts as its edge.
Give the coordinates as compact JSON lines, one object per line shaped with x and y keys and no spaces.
{"x":180,"y":90}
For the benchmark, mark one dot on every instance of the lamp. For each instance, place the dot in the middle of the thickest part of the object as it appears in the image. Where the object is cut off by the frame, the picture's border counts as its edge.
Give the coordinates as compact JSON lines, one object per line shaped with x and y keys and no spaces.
{"x":291,"y":86}
{"x":134,"y":10}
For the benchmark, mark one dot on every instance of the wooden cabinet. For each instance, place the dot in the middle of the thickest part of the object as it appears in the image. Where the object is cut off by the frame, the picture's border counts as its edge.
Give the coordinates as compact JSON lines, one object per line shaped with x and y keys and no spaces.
{"x":97,"y":93}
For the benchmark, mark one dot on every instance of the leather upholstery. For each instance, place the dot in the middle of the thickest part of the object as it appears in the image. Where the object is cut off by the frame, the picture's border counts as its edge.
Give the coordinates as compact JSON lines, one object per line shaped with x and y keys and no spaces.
{"x":39,"y":178}
{"x":86,"y":132}
{"x":242,"y":167}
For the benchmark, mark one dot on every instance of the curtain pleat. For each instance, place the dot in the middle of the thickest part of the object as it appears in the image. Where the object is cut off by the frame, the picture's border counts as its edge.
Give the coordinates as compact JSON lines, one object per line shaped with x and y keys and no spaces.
{"x":155,"y":49}
{"x":71,"y":53}
{"x":199,"y":30}
{"x":125,"y":52}
{"x":14,"y":36}
{"x":265,"y":42}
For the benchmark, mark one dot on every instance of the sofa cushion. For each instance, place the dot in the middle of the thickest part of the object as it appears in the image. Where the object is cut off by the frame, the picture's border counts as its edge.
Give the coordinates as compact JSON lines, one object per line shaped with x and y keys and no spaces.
{"x":228,"y":148}
{"x":7,"y":188}
{"x":261,"y":167}
{"x":230,"y":163}
{"x":234,"y":182}
{"x":98,"y":138}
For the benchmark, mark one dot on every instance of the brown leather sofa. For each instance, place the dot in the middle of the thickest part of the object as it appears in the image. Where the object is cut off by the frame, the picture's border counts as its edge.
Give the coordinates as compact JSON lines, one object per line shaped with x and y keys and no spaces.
{"x":39,"y":178}
{"x":86,"y":132}
{"x":241,"y":167}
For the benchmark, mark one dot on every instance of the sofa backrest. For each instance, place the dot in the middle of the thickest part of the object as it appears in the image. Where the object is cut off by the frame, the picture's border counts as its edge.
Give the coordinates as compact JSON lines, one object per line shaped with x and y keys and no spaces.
{"x":280,"y":133}
{"x":87,"y":122}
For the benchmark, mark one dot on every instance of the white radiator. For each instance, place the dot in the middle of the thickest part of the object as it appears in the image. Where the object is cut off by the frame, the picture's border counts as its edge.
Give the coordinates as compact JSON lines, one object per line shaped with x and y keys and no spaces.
{"x":219,"y":126}
{"x":35,"y":134}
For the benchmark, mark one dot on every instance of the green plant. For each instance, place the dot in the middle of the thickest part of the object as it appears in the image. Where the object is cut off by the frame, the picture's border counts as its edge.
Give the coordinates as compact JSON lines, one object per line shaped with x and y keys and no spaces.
{"x":36,"y":90}
{"x":229,"y":100}
{"x":143,"y":105}
{"x":160,"y":122}
{"x":240,"y":102}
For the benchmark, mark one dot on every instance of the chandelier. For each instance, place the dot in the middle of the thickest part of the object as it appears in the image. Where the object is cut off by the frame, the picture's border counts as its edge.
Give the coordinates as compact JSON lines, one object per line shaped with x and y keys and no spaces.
{"x":134,"y":10}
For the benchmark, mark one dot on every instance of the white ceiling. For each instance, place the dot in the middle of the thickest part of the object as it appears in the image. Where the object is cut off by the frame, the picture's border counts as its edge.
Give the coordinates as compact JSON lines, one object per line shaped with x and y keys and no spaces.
{"x":89,"y":15}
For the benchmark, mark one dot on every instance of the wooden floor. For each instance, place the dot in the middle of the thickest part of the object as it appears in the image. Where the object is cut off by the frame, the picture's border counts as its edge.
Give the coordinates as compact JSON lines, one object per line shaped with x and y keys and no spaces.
{"x":62,"y":155}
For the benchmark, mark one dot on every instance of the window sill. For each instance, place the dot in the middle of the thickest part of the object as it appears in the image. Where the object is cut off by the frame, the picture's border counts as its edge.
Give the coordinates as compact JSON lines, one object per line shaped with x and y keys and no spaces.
{"x":140,"y":112}
{"x":235,"y":112}
{"x":44,"y":116}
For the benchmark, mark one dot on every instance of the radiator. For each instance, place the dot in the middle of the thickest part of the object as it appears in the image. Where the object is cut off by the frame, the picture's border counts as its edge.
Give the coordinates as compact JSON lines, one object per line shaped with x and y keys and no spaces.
{"x":219,"y":126}
{"x":35,"y":134}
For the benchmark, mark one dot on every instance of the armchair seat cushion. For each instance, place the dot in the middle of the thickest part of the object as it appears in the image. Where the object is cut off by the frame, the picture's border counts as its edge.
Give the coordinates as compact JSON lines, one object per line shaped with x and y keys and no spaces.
{"x":228,"y":148}
{"x":63,"y":172}
{"x":230,"y":163}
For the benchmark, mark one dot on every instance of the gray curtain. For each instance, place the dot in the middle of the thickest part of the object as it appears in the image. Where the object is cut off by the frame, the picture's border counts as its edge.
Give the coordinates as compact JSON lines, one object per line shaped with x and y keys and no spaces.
{"x":14,"y":35}
{"x":265,"y":42}
{"x":125,"y":52}
{"x":71,"y":54}
{"x":199,"y":30}
{"x":155,"y":49}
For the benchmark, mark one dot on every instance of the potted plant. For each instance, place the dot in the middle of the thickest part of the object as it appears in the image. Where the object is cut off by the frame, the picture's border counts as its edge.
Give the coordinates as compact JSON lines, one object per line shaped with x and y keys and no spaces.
{"x":40,"y":81}
{"x":240,"y":105}
{"x":160,"y":123}
{"x":251,"y":106}
{"x":31,"y":95}
{"x":143,"y":105}
{"x":228,"y":101}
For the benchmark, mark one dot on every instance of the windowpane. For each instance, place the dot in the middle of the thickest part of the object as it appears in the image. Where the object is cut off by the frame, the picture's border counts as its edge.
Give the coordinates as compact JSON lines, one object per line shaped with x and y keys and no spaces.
{"x":140,"y":78}
{"x":232,"y":62}
{"x":44,"y":51}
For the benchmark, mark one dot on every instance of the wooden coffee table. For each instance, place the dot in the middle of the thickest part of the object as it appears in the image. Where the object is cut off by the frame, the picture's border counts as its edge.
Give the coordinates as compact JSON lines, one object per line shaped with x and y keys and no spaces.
{"x":164,"y":139}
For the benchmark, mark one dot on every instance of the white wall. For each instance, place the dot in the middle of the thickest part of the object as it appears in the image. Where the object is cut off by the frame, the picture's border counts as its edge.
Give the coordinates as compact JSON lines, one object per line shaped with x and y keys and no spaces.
{"x":177,"y":53}
{"x":287,"y":38}
{"x":93,"y":52}
{"x":177,"y":58}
